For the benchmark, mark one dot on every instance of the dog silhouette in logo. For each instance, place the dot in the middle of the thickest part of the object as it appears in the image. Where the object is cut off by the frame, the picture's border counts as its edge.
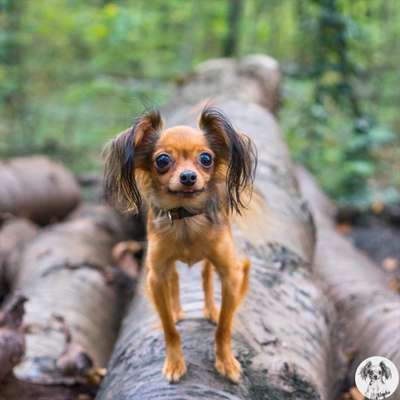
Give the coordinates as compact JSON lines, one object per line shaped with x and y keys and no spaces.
{"x":376,"y":375}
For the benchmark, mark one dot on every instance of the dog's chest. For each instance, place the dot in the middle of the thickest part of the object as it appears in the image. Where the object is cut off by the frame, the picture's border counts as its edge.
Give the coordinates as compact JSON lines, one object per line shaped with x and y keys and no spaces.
{"x":187,"y":238}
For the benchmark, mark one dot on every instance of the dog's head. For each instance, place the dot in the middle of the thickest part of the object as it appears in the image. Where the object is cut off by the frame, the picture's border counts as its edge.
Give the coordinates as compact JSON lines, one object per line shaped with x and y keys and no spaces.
{"x":375,"y":372}
{"x":179,"y":166}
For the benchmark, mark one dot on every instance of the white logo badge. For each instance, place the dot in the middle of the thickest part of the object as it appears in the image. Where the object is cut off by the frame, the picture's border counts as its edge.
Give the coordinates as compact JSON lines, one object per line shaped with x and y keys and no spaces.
{"x":377,"y":378}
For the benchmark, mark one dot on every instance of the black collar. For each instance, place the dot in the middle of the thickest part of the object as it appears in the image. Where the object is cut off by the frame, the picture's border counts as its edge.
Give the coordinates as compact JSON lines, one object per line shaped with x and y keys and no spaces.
{"x":178,"y":213}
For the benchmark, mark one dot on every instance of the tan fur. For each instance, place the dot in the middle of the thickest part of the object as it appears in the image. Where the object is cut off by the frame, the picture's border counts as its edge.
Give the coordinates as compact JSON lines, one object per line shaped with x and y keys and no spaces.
{"x":190,"y":239}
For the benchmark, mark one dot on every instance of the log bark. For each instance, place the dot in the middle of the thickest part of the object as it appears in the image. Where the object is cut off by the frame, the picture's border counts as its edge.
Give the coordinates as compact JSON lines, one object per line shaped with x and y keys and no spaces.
{"x":75,"y":297}
{"x":37,"y":188}
{"x":369,"y":311}
{"x":14,"y":389}
{"x":14,"y":233}
{"x":284,"y":332}
{"x":254,"y":78}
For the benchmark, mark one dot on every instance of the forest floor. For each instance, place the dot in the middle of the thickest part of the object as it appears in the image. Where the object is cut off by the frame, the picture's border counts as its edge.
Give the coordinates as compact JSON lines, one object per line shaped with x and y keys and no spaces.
{"x":377,"y":236}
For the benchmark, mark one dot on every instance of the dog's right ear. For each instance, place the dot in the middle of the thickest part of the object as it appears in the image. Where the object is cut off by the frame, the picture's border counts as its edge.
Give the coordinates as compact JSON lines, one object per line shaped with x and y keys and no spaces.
{"x":385,"y":370}
{"x":236,"y":149}
{"x":130,"y":150}
{"x":365,"y":369}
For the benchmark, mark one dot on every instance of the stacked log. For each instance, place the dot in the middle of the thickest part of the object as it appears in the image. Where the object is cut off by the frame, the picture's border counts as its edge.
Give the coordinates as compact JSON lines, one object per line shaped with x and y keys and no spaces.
{"x":75,"y":297}
{"x":37,"y":188}
{"x":14,"y":233}
{"x":254,"y":78}
{"x":284,"y":335}
{"x":369,"y":310}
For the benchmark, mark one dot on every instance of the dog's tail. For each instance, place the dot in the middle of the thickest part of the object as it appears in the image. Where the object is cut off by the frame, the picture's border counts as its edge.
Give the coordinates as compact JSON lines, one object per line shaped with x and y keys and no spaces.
{"x":246,"y":264}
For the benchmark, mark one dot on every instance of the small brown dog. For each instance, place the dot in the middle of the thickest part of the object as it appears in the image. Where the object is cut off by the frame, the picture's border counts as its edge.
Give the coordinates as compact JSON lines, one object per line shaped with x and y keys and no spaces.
{"x":191,"y":181}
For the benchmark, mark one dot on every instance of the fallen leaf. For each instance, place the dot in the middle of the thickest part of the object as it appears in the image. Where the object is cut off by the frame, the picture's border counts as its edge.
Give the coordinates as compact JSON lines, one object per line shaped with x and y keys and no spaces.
{"x":350,"y":354}
{"x":96,"y":375}
{"x":124,"y":257}
{"x":377,"y":207}
{"x":390,"y":263}
{"x":355,"y":394}
{"x":343,"y":228}
{"x":394,"y":284}
{"x":84,"y":397}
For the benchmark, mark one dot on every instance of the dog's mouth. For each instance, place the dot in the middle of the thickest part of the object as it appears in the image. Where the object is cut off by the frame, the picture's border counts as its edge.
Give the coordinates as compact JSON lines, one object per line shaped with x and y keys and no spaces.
{"x":189,"y":192}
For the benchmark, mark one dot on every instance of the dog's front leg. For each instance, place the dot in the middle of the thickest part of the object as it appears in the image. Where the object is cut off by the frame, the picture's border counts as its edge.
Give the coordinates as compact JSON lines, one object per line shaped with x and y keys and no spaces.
{"x":210,"y":310}
{"x":158,"y":283}
{"x":234,"y":280}
{"x":174,"y":288}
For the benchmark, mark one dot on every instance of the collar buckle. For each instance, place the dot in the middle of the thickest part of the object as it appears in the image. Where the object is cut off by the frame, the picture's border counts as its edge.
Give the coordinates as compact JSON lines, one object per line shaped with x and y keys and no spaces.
{"x":169,"y":215}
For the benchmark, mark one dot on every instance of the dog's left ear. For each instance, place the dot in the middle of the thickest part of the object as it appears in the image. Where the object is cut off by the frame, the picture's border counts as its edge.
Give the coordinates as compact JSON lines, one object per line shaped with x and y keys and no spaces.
{"x":235,"y":148}
{"x":365,"y":369}
{"x":387,"y":373}
{"x":129,"y":150}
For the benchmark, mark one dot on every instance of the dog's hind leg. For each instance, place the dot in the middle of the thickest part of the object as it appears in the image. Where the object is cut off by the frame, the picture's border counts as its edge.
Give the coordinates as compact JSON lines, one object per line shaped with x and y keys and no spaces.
{"x":210,"y":310}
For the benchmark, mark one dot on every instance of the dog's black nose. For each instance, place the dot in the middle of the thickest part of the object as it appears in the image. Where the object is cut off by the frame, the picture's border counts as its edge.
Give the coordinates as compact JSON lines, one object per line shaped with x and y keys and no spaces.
{"x":188,"y":178}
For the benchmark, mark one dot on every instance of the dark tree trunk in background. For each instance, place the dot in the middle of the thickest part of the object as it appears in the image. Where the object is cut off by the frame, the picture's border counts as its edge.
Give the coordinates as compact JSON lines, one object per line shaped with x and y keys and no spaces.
{"x":284,"y":331}
{"x":231,"y":44}
{"x":11,"y":55}
{"x":332,"y":55}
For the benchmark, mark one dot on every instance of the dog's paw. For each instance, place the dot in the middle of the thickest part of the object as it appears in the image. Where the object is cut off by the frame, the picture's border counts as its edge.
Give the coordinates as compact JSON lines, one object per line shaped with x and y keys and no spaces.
{"x":211,"y":314}
{"x":229,"y":367}
{"x":174,"y":369}
{"x":178,"y":316}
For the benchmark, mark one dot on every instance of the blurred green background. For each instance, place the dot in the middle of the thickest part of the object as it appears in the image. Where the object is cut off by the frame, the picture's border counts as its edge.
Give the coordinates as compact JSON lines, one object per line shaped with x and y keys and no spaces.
{"x":75,"y":72}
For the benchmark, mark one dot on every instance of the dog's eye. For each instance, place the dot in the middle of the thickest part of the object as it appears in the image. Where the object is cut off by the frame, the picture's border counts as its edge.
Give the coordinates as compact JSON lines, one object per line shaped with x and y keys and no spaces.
{"x":163,"y":161}
{"x":205,"y":159}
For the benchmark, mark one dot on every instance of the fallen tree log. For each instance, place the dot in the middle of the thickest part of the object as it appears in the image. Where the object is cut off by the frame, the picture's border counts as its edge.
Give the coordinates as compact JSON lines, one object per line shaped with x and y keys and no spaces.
{"x":37,"y":188}
{"x":254,"y":78}
{"x":284,"y":332}
{"x":369,"y":312}
{"x":14,"y":389}
{"x":14,"y":232}
{"x":132,"y":225}
{"x":75,"y":297}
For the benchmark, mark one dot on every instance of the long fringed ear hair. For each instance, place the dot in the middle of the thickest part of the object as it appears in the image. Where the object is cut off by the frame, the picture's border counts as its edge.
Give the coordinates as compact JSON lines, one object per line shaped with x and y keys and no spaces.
{"x":387,"y":373}
{"x":236,"y":149}
{"x":365,"y":369}
{"x":130,"y":150}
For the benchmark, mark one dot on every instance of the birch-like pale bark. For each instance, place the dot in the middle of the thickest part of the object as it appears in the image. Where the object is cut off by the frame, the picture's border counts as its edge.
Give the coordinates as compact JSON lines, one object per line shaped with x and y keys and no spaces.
{"x":75,"y":297}
{"x":285,"y":331}
{"x":369,"y":311}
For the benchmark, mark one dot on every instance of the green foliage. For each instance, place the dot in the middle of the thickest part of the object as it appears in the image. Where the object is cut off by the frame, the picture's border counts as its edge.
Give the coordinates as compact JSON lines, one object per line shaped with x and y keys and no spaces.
{"x":324,"y":139}
{"x":334,"y":136}
{"x":73,"y":73}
